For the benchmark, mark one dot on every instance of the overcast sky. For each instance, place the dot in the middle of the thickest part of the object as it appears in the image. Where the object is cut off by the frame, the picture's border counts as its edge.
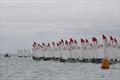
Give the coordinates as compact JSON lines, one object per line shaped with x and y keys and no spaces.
{"x":25,"y":21}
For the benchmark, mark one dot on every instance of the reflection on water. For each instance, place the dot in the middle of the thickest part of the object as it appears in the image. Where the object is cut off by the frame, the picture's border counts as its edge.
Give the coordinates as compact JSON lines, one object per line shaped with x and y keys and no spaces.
{"x":15,"y":68}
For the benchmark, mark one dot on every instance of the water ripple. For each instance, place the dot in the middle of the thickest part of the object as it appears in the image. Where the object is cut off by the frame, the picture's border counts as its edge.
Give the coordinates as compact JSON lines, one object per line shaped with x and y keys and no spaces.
{"x":27,"y":69}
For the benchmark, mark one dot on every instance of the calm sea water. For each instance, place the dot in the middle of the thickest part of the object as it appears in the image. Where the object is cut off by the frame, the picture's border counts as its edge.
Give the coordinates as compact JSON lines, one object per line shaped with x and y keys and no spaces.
{"x":15,"y":68}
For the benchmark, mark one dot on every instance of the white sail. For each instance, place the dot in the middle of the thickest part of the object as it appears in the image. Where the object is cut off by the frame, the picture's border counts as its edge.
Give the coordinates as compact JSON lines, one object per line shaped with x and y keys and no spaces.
{"x":57,"y":52}
{"x":74,"y":51}
{"x":65,"y":52}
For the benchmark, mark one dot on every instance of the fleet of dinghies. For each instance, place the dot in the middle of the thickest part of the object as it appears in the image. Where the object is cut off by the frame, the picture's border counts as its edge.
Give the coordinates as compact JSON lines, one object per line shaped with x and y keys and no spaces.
{"x":78,"y":51}
{"x":24,"y":53}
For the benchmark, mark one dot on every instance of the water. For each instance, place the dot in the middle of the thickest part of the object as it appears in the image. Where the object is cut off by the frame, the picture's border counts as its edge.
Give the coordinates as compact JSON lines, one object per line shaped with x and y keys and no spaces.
{"x":15,"y":68}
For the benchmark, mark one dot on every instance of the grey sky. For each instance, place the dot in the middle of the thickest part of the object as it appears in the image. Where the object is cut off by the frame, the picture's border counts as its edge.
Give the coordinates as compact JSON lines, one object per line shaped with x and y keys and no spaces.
{"x":25,"y":21}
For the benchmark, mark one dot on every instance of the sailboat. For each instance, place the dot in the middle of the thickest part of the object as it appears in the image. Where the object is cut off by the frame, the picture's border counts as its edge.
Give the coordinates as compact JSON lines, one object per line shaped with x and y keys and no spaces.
{"x":73,"y":51}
